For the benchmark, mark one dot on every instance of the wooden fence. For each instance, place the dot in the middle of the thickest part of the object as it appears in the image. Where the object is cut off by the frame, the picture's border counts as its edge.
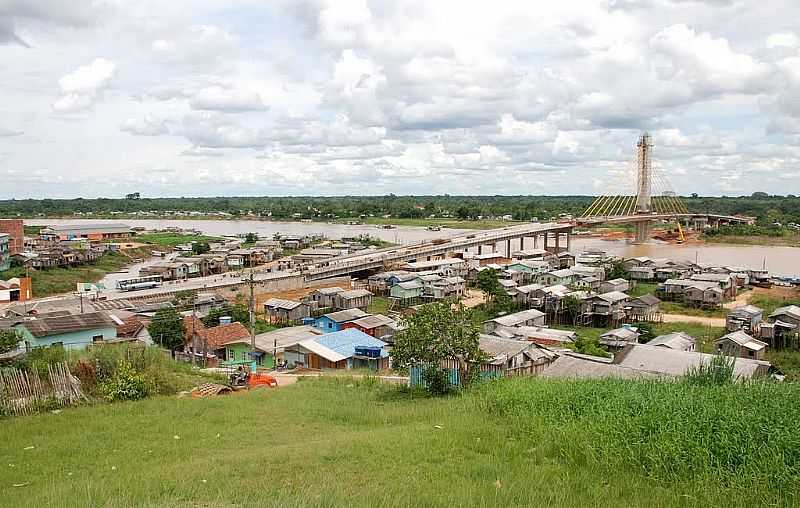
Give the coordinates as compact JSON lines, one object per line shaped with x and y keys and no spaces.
{"x":23,"y":392}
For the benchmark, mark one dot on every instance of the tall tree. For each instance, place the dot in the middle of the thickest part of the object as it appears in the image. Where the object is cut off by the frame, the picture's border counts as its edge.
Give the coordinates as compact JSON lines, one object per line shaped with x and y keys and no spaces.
{"x":438,"y":331}
{"x":166,"y":329}
{"x":9,"y":340}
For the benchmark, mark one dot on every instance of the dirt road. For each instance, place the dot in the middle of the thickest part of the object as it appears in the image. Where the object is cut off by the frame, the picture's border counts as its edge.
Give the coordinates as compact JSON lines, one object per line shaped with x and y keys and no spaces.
{"x":708,"y":321}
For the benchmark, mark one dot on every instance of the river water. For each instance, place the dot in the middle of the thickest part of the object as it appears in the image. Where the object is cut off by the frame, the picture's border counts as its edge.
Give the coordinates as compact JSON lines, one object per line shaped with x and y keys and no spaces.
{"x":778,"y":260}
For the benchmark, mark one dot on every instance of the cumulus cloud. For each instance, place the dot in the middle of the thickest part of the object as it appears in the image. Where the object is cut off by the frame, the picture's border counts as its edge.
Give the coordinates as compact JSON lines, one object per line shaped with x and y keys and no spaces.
{"x":146,"y":126}
{"x":217,"y":98}
{"x":81,"y":86}
{"x":361,"y":96}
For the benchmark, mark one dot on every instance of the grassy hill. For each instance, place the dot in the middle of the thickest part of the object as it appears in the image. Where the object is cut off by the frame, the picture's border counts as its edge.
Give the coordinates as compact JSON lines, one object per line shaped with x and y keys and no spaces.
{"x":520,"y":442}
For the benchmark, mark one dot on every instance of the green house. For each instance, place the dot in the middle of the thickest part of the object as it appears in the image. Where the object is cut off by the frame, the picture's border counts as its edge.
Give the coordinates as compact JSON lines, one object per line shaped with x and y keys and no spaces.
{"x":410,"y":289}
{"x":238,"y":353}
{"x":72,"y":331}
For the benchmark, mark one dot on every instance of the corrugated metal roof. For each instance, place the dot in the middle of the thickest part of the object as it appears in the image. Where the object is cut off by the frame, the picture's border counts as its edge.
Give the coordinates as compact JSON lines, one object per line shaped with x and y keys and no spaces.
{"x":343,"y":344}
{"x":518,"y":317}
{"x":346,"y":315}
{"x":47,"y":326}
{"x":280,"y":303}
{"x":373,"y":321}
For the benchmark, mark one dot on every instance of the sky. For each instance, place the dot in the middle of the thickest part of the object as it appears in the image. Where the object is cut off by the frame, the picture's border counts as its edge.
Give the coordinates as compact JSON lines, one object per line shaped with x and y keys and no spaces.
{"x":100,"y":98}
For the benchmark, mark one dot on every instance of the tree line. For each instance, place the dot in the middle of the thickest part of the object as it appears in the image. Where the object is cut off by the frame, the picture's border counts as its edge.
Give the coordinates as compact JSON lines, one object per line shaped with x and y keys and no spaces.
{"x":766,"y":208}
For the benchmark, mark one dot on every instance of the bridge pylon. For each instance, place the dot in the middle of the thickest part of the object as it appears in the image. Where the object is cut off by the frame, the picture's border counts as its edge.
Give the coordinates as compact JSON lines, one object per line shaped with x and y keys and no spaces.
{"x":642,"y":191}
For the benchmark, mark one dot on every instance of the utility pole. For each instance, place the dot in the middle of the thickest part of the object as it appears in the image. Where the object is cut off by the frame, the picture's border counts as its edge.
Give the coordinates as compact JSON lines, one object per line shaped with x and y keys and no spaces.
{"x":251,"y":281}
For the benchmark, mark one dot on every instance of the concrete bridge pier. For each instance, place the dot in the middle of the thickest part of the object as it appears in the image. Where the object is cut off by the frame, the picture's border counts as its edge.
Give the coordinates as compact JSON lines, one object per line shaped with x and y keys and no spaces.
{"x":642,"y":229}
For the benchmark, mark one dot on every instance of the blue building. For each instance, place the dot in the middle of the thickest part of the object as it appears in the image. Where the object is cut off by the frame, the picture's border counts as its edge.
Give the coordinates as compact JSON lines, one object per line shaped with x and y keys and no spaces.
{"x":333,"y":321}
{"x":347,"y":349}
{"x":73,"y":331}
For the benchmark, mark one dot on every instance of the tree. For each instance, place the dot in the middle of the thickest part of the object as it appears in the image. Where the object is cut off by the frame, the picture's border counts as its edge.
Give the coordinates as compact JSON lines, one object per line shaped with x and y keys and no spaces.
{"x":183,"y":298}
{"x":237,"y":312}
{"x":589,"y":346}
{"x":251,"y":238}
{"x":436,"y":332}
{"x":200,"y":248}
{"x":9,"y":340}
{"x":488,"y":282}
{"x":573,"y":306}
{"x":617,"y":270}
{"x":132,"y":196}
{"x":166,"y":329}
{"x":646,"y":332}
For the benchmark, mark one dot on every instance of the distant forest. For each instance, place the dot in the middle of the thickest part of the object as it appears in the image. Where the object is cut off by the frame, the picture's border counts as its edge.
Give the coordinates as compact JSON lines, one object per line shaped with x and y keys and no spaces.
{"x":768,"y":209}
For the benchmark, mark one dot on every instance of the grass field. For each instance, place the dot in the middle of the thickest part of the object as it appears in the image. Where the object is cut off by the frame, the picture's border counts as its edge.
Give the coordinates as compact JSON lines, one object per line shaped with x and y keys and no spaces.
{"x":171,"y":239}
{"x":686,"y":310}
{"x":643,"y":288}
{"x":380,"y":305}
{"x":63,"y":280}
{"x":328,"y":443}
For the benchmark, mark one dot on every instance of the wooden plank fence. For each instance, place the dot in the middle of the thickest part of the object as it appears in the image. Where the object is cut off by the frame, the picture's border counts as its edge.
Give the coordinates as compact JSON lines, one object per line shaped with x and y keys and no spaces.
{"x":23,"y":392}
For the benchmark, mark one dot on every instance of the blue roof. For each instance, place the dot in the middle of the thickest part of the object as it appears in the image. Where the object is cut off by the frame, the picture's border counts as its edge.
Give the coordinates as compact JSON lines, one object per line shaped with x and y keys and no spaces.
{"x":344,"y":342}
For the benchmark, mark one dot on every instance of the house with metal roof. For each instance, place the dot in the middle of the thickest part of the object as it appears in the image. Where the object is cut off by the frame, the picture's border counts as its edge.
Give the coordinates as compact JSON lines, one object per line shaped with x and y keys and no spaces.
{"x":620,"y":285}
{"x":740,"y":344}
{"x":515,"y":356}
{"x":353,"y":299}
{"x":680,"y":341}
{"x":537,"y":334}
{"x":377,"y":325}
{"x":286,"y":311}
{"x":530,"y":317}
{"x":411,"y":289}
{"x":72,"y":331}
{"x":643,"y":308}
{"x":345,"y":349}
{"x":669,"y":362}
{"x":269,"y":345}
{"x":324,"y":296}
{"x":619,"y":338}
{"x":89,"y":231}
{"x":333,"y":321}
{"x":746,"y":318}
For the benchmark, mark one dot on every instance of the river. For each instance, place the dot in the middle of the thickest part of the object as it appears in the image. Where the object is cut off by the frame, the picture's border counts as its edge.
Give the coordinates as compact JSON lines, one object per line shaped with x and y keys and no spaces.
{"x":779,"y":260}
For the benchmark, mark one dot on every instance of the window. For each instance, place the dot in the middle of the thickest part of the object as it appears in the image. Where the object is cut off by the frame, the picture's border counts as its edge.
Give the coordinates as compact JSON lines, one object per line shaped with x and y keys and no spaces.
{"x":330,"y":325}
{"x":97,"y":338}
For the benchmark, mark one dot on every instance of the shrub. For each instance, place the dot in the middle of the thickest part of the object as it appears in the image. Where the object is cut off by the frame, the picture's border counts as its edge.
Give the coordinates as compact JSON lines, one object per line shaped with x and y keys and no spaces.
{"x":718,"y":371}
{"x":437,"y":380}
{"x":125,"y":384}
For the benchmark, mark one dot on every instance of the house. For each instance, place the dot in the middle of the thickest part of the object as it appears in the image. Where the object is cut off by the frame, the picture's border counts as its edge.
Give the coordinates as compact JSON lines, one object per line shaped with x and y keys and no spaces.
{"x":745,"y":318}
{"x":353,"y":299}
{"x":669,"y":362}
{"x":213,"y":341}
{"x":565,"y":259}
{"x":411,"y":289}
{"x":563,"y":277}
{"x":523,"y":295}
{"x":286,"y":311}
{"x":643,"y":308}
{"x":703,"y":295}
{"x":515,"y":357}
{"x":269,"y":345}
{"x":448,"y":287}
{"x":589,"y":271}
{"x":92,"y":232}
{"x":679,"y":341}
{"x":452,"y":266}
{"x":324,"y":296}
{"x":619,"y":338}
{"x":508,"y":285}
{"x":377,"y":325}
{"x":195,"y":266}
{"x":530,"y":317}
{"x":530,"y":267}
{"x":491,"y":258}
{"x":789,"y":314}
{"x":591,"y":283}
{"x":72,"y":331}
{"x":15,"y":289}
{"x":333,"y":321}
{"x":15,"y":230}
{"x":723,"y":280}
{"x":642,"y":273}
{"x":533,"y":254}
{"x":538,"y":335}
{"x":571,"y":365}
{"x":740,"y":344}
{"x":620,"y":285}
{"x":605,"y":308}
{"x":345,"y":349}
{"x":401,"y":276}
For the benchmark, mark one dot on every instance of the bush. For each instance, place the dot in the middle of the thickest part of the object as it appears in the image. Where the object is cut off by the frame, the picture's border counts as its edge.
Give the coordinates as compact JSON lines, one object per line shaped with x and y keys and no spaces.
{"x":719,"y":371}
{"x":437,"y":380}
{"x":39,"y":358}
{"x":125,"y":384}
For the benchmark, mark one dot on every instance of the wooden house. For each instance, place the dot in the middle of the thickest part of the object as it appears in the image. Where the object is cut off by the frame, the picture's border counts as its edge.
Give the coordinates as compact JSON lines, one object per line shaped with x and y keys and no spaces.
{"x":352,"y":299}
{"x":530,"y":317}
{"x":643,"y":308}
{"x":324,"y":296}
{"x":334,"y":321}
{"x":618,"y":338}
{"x":345,"y":349}
{"x":279,"y":310}
{"x":741,"y":345}
{"x":563,"y":277}
{"x":377,"y":325}
{"x":605,"y":309}
{"x":620,"y":285}
{"x":746,"y":318}
{"x":723,"y":280}
{"x":71,"y":331}
{"x":411,"y":289}
{"x":680,"y":341}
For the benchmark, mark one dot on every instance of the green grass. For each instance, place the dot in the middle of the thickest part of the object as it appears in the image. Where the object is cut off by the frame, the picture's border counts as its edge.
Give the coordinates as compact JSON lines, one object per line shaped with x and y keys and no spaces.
{"x":643,"y":288}
{"x":516,"y":443}
{"x":770,"y":303}
{"x":379,"y":305}
{"x":171,"y":239}
{"x":786,"y":361}
{"x":686,"y":310}
{"x":54,"y":281}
